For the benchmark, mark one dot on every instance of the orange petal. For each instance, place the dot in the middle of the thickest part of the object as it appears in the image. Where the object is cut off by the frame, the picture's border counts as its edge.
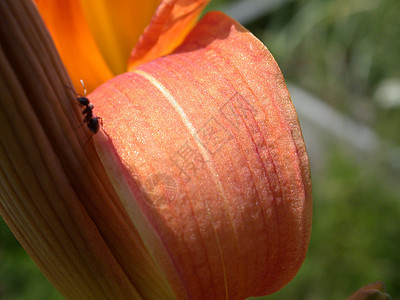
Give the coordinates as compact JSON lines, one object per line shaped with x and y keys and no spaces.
{"x":116,"y":27}
{"x":74,"y":41}
{"x":210,"y":163}
{"x":169,"y":26}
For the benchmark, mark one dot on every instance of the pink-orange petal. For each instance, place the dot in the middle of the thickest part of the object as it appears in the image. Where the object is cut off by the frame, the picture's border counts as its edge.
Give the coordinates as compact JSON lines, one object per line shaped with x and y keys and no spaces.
{"x":213,"y":153}
{"x":169,"y":26}
{"x":74,"y":41}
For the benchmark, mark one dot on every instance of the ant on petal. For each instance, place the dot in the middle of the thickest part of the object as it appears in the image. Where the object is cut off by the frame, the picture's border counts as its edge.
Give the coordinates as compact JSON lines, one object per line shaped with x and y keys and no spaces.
{"x":94,"y":125}
{"x":91,"y":121}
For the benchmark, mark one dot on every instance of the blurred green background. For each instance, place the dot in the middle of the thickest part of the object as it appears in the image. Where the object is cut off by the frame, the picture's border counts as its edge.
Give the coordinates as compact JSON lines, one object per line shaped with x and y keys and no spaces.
{"x":341,"y":60}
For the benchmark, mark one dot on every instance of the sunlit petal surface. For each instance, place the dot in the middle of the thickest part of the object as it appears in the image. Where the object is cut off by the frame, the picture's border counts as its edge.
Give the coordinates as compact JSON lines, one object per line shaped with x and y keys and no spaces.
{"x":212,"y":165}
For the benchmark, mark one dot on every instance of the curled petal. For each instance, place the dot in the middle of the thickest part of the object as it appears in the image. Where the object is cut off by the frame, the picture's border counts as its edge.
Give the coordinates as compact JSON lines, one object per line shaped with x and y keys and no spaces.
{"x":54,"y":193}
{"x":169,"y":26}
{"x":208,"y":159}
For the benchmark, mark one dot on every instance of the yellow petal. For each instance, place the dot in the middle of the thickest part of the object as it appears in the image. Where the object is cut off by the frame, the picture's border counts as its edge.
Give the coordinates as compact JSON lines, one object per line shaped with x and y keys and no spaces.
{"x":74,"y":41}
{"x":116,"y":27}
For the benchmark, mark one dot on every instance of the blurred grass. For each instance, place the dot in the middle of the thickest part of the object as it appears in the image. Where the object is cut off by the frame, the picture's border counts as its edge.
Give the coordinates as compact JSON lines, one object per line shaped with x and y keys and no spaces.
{"x":342,"y":51}
{"x":355,"y":236}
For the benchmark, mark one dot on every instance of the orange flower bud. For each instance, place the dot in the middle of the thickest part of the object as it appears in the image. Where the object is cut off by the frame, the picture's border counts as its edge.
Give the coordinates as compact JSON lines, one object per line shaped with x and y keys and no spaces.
{"x":197,"y":185}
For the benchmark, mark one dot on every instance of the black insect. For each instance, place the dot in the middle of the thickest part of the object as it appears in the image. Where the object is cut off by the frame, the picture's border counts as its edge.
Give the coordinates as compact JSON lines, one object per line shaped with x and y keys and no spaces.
{"x":92,"y":122}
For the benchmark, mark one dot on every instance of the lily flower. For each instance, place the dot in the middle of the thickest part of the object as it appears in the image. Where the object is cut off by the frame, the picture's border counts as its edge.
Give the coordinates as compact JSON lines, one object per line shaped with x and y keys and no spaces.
{"x":196,"y":184}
